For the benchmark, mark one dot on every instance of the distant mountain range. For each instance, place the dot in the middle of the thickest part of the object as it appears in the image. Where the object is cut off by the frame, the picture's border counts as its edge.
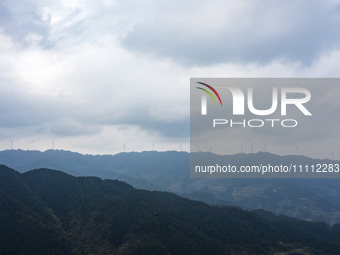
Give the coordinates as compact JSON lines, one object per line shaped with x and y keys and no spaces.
{"x":50,"y":212}
{"x":309,"y":199}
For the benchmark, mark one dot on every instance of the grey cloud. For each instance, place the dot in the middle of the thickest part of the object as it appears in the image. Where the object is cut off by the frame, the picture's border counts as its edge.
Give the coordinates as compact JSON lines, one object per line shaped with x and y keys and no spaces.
{"x":137,"y":115}
{"x":300,"y":31}
{"x":166,"y":129}
{"x":112,"y":86}
{"x":68,"y":127}
{"x":19,"y":109}
{"x":24,"y":23}
{"x":21,"y":21}
{"x":62,"y":117}
{"x":195,"y":34}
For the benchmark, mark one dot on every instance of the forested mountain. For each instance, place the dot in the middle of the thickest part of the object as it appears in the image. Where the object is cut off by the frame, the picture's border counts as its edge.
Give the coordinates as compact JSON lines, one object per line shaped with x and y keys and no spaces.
{"x":309,"y":199}
{"x":50,"y":212}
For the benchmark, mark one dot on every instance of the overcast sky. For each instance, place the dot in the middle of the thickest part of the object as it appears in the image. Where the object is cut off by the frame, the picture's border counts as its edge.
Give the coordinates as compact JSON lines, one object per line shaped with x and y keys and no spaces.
{"x":95,"y":75}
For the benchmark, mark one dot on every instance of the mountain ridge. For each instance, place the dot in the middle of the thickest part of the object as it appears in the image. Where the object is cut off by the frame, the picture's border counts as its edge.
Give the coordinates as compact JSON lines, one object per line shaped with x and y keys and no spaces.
{"x":314,"y":199}
{"x":89,"y":215}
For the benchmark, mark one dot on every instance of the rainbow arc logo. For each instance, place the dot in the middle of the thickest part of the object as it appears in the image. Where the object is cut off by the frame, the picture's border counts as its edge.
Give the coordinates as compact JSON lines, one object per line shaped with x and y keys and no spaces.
{"x":204,"y":98}
{"x":212,"y":89}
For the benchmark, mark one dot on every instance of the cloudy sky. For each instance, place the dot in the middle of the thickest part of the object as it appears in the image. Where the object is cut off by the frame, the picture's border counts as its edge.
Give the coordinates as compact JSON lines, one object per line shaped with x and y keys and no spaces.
{"x":95,"y":75}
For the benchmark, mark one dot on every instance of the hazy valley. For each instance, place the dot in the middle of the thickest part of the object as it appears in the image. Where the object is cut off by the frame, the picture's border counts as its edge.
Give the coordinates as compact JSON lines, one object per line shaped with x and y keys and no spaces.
{"x":308,"y":199}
